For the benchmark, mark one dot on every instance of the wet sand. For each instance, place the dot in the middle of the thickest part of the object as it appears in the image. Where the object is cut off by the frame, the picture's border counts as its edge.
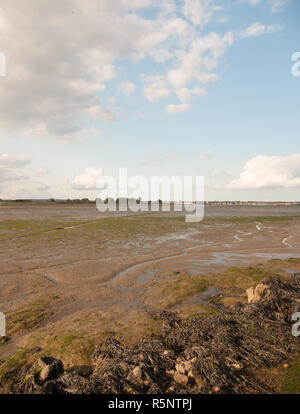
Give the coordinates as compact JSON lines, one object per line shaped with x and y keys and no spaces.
{"x":26,"y":211}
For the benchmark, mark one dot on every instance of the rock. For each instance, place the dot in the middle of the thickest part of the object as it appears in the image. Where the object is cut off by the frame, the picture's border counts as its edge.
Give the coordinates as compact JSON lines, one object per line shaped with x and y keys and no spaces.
{"x":250,"y":294}
{"x":49,"y":369}
{"x":188,"y":366}
{"x":194,"y":373}
{"x":180,"y":368}
{"x":124,"y":368}
{"x":237,"y":365}
{"x":260,"y":292}
{"x":181,"y":379}
{"x":139,"y":375}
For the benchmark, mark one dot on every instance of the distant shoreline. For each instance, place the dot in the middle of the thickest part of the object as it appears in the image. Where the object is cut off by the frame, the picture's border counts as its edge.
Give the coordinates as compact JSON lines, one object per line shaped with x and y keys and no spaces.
{"x":209,"y":203}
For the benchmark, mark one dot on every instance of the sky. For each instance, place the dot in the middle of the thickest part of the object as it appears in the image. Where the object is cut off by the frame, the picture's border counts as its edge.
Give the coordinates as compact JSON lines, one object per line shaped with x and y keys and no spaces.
{"x":160,"y":87}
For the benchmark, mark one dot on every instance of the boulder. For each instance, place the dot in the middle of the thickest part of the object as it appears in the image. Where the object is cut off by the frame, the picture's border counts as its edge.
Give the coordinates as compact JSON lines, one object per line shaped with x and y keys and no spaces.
{"x":139,"y":375}
{"x":180,"y":368}
{"x":260,"y":292}
{"x":48,"y":369}
{"x":181,"y":379}
{"x":196,"y":375}
{"x":250,"y":294}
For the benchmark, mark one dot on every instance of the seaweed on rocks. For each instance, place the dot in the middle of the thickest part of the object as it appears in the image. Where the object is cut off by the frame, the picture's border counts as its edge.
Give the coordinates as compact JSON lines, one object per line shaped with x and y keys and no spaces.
{"x":207,"y":354}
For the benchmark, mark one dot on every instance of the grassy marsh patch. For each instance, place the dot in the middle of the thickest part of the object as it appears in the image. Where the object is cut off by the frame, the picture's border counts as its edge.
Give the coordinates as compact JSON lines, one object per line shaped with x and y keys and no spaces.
{"x":31,"y":315}
{"x":251,"y":219}
{"x":176,"y":287}
{"x":190,"y":311}
{"x":291,"y":379}
{"x":22,"y":228}
{"x":73,"y":341}
{"x":283,"y":379}
{"x":182,"y":287}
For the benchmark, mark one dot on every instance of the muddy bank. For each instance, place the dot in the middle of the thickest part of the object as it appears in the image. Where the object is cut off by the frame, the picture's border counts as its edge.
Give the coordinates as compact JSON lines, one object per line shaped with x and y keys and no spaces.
{"x":25,"y":211}
{"x":215,"y":354}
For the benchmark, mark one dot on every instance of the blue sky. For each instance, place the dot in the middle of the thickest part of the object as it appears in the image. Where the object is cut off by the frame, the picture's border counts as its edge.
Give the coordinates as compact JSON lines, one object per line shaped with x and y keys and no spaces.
{"x":191,"y":87}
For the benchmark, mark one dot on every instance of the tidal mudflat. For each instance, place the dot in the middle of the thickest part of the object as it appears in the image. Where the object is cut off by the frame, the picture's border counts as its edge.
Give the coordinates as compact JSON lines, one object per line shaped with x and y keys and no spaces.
{"x":71,"y":277}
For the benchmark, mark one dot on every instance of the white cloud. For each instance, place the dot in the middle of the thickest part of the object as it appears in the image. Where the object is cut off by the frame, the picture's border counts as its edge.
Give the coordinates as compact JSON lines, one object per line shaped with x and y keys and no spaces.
{"x":253,"y":2}
{"x":161,"y":55}
{"x":60,"y":66}
{"x":87,"y":180}
{"x":72,"y":51}
{"x":152,"y":158}
{"x":187,"y":95}
{"x":276,"y":5}
{"x":269,"y":172}
{"x":258,"y":29}
{"x":11,"y":175}
{"x":14,"y":182}
{"x":184,"y":94}
{"x":199,"y":60}
{"x":42,"y":171}
{"x":25,"y":189}
{"x":205,"y":78}
{"x":218,"y":178}
{"x":198,"y":11}
{"x":206,"y":155}
{"x":11,"y":168}
{"x":200,"y":91}
{"x":127,"y":87}
{"x":70,"y":136}
{"x":13,"y":161}
{"x":156,"y":89}
{"x":175,"y":109}
{"x":101,"y":114}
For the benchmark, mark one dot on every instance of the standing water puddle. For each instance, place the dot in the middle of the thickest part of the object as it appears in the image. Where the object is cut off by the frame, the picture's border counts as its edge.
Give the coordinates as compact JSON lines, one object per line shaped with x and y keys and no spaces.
{"x":145,"y":277}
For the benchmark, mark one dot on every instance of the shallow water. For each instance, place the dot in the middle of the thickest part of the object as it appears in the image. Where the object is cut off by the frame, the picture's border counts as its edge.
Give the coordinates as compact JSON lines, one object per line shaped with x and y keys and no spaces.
{"x":145,"y":277}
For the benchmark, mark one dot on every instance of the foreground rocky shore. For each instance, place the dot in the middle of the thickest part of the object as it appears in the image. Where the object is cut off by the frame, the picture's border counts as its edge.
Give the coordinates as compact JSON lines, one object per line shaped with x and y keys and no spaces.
{"x":222,"y":353}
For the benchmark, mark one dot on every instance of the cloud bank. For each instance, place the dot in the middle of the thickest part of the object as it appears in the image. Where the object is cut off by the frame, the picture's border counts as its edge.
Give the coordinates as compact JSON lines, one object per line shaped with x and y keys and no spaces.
{"x":87,"y":180}
{"x":73,"y":49}
{"x":269,"y":172}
